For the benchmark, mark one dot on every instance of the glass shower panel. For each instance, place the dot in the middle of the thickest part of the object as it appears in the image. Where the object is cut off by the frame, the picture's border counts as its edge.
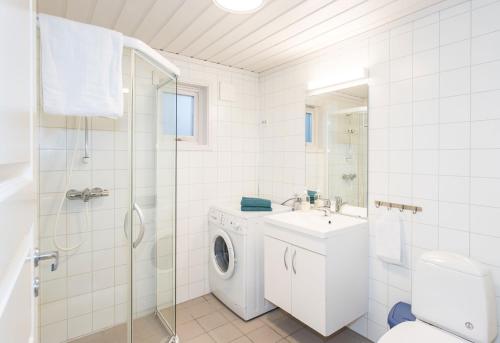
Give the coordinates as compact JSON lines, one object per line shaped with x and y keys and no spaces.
{"x":113,"y":283}
{"x":153,"y":158}
{"x":165,"y":202}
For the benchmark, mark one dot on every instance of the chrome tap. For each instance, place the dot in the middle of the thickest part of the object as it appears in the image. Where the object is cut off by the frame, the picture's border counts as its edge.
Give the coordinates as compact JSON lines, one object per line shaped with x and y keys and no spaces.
{"x":326,"y":211}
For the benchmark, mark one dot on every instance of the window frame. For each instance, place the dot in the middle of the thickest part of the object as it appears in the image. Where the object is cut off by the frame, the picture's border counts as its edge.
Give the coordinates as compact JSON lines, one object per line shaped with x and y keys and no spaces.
{"x":202,"y":138}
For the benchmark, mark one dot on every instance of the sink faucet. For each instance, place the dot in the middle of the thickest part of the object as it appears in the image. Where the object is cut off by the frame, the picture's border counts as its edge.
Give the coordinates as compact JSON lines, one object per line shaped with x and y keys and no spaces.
{"x":327,"y":211}
{"x":338,"y":204}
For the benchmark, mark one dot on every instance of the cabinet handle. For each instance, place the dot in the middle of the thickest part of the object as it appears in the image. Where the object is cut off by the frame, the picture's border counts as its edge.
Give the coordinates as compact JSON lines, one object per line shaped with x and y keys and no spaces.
{"x":284,"y":258}
{"x":293,"y":261}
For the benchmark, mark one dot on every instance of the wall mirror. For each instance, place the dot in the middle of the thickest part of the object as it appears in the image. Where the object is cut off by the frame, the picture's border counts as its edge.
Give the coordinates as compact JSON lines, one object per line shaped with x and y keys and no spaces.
{"x":336,"y":138}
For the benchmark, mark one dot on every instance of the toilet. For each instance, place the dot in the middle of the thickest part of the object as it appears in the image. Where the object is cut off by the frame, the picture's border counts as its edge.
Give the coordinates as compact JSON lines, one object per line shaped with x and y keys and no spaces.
{"x":453,"y":300}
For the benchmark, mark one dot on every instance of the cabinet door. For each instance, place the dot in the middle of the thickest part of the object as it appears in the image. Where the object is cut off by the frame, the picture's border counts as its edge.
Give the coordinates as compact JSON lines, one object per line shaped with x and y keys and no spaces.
{"x":308,"y":288}
{"x":277,"y":272}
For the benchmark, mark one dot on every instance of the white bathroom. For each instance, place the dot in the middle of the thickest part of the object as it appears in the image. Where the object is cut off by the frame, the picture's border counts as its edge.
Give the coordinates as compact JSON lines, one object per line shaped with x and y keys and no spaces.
{"x":212,"y":171}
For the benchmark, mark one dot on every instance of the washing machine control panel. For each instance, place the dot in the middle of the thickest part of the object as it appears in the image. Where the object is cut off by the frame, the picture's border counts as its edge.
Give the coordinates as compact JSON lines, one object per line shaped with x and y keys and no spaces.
{"x":226,"y":220}
{"x":214,"y":216}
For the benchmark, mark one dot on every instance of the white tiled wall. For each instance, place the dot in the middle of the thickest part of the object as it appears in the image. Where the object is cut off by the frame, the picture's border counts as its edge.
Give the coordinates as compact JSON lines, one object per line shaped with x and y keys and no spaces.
{"x":223,"y":172}
{"x":433,"y":139}
{"x":87,"y":291}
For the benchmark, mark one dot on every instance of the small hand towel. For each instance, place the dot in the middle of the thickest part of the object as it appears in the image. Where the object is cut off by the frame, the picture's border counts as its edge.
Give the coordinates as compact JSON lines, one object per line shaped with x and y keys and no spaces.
{"x":255,"y":209}
{"x":255,"y":202}
{"x":388,"y":237}
{"x":81,"y":68}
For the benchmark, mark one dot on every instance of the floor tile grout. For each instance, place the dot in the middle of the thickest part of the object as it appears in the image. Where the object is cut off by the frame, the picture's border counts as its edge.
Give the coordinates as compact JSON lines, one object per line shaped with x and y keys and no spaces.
{"x":207,"y":320}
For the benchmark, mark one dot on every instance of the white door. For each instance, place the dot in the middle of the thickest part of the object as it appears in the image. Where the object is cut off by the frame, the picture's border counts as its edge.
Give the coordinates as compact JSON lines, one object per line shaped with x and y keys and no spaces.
{"x":17,"y":199}
{"x":308,"y":288}
{"x":277,"y":272}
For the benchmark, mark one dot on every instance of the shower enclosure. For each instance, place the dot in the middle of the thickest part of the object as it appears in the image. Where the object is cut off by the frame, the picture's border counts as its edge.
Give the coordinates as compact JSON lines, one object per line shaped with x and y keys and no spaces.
{"x":115,"y":280}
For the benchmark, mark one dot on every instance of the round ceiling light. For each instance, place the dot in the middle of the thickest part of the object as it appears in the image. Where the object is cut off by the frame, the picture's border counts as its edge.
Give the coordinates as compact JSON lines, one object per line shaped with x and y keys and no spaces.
{"x":240,"y":6}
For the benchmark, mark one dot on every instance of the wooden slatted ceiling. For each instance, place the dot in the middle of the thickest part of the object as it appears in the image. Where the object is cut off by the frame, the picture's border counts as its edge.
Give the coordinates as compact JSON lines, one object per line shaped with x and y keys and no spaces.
{"x":282,"y":31}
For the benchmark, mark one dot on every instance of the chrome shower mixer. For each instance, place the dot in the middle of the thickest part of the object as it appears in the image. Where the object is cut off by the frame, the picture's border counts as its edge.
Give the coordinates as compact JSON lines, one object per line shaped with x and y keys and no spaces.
{"x":87,"y":194}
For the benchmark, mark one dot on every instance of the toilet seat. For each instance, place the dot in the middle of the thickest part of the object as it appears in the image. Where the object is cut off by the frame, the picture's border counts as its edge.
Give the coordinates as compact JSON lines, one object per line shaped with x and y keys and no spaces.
{"x":419,"y":332}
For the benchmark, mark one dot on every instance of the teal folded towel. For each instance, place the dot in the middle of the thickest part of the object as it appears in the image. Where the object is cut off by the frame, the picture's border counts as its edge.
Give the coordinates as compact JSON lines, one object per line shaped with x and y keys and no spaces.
{"x":255,"y":209}
{"x":255,"y":202}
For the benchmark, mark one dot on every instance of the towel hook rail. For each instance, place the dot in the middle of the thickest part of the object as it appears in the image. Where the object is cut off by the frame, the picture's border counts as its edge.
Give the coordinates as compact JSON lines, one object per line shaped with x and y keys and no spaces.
{"x":402,"y":207}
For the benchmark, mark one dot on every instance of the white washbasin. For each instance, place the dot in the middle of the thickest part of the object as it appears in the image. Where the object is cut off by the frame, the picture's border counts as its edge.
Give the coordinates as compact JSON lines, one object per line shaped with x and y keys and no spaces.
{"x":314,"y":223}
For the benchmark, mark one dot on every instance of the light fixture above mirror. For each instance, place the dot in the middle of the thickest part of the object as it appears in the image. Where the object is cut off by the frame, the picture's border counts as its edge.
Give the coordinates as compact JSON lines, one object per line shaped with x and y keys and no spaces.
{"x":346,"y":78}
{"x":240,"y":6}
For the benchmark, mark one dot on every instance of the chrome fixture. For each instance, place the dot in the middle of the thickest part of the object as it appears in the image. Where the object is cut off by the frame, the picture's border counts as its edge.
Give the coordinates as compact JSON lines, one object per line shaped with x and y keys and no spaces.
{"x":87,"y":194}
{"x":36,"y":286}
{"x":296,"y":202}
{"x":47,"y":255}
{"x":348,"y":177}
{"x":326,"y":210}
{"x":401,"y":207}
{"x":339,"y":203}
{"x":138,"y":240}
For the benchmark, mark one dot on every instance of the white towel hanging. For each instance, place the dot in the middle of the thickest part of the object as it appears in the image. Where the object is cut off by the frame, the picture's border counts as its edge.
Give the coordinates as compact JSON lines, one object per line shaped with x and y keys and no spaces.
{"x":81,"y":68}
{"x":388,"y":237}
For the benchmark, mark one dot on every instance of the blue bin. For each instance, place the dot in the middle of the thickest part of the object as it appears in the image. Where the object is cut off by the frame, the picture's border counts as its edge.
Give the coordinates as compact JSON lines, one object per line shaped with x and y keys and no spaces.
{"x":400,"y":312}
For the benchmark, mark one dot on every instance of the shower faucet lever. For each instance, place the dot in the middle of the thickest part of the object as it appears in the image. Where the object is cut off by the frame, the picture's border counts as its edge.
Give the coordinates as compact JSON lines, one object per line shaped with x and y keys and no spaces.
{"x":87,"y":194}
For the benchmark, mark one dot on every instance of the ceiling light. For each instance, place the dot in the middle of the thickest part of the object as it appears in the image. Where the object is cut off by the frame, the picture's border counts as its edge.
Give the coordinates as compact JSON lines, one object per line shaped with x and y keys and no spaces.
{"x":240,"y":6}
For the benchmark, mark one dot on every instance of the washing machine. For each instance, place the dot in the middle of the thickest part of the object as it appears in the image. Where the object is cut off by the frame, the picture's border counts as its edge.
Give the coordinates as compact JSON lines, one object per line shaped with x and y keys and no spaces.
{"x":236,"y":261}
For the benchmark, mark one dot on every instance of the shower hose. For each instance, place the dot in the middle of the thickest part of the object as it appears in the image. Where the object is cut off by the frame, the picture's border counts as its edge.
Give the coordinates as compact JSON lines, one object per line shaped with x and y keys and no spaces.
{"x":69,"y":172}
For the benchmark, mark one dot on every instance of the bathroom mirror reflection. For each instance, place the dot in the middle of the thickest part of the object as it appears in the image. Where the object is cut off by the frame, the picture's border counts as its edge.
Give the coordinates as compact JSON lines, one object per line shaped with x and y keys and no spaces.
{"x":336,"y":138}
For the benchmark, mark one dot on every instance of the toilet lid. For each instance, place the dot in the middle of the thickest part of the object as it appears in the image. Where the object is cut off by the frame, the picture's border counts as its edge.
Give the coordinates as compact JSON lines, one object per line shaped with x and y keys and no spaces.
{"x":418,"y":332}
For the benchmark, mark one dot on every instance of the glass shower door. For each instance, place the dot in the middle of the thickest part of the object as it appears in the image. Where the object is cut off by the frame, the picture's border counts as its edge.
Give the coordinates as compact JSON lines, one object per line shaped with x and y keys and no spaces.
{"x":152,"y":202}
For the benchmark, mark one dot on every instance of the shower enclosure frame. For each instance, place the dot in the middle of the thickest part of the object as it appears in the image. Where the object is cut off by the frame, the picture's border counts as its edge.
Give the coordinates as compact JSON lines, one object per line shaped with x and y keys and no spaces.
{"x":139,"y":49}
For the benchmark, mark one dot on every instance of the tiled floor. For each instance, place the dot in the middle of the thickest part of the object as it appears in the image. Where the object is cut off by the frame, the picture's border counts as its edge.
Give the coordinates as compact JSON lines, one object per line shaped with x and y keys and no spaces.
{"x":207,"y":320}
{"x":146,"y":330}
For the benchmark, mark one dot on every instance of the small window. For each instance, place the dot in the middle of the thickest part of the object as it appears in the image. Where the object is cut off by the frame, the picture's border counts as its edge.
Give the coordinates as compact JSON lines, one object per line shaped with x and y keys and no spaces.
{"x":185,"y":115}
{"x":309,"y":127}
{"x":192,"y":115}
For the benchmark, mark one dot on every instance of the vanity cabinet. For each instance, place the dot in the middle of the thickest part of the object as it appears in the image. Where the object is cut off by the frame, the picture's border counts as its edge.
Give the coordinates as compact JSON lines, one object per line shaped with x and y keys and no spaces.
{"x":294,"y":280}
{"x":277,"y":273}
{"x":322,"y":282}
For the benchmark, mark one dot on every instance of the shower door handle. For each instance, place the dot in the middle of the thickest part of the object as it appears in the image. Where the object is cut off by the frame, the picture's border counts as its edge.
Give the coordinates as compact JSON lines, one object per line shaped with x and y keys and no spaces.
{"x":140,"y":214}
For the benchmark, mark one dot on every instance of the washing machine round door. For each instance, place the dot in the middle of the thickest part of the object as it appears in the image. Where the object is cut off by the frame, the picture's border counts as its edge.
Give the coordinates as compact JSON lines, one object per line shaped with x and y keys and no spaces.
{"x":222,"y":254}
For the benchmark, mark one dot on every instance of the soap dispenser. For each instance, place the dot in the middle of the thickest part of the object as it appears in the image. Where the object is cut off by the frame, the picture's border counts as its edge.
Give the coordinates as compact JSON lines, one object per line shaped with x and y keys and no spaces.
{"x":319,"y":203}
{"x":305,"y":204}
